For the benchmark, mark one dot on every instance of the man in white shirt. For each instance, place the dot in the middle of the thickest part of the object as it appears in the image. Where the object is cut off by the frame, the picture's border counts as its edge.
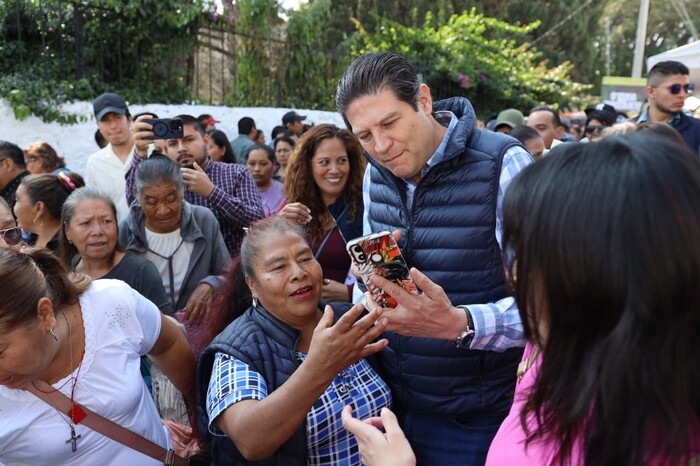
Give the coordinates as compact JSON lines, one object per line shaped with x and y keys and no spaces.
{"x":107,"y":167}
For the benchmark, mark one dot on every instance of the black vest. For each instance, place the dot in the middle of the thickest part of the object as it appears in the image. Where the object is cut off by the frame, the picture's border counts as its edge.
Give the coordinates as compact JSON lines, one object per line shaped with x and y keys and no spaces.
{"x":449,"y":235}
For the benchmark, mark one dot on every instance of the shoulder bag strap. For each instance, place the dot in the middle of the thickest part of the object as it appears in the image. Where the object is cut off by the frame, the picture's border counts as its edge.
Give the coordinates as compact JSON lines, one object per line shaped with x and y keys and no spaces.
{"x":63,"y":404}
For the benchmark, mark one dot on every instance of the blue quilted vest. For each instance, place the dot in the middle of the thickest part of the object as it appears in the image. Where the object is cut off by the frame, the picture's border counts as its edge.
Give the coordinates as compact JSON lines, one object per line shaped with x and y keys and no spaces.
{"x":449,"y":236}
{"x":268,"y":346}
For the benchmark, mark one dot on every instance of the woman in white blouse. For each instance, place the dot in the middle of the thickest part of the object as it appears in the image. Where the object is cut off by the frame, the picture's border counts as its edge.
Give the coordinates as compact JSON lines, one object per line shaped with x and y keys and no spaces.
{"x":83,"y":338}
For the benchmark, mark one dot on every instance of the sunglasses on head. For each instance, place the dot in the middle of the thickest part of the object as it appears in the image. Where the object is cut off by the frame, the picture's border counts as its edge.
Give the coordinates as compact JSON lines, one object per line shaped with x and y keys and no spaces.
{"x":11,"y":236}
{"x":676,"y":88}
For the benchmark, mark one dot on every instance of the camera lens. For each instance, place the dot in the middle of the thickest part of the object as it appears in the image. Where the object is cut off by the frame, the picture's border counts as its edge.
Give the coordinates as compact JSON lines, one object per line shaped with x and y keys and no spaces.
{"x":357,"y":248}
{"x":362,"y":257}
{"x":160,"y":129}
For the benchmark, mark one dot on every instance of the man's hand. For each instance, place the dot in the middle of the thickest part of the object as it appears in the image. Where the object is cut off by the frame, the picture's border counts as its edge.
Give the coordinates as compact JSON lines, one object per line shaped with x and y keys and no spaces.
{"x":199,"y":304}
{"x":427,"y":315}
{"x":197,"y":181}
{"x":388,"y":448}
{"x":140,"y":130}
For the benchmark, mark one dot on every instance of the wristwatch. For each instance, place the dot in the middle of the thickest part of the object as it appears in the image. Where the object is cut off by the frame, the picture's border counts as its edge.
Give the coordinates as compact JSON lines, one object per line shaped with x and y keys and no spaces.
{"x":465,"y":338}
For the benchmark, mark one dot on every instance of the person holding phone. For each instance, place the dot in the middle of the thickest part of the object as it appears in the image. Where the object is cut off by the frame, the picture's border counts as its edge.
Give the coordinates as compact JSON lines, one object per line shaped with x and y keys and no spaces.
{"x":439,"y":181}
{"x":272,"y":385}
{"x":323,"y":188}
{"x":227,"y":189}
{"x":607,"y":377}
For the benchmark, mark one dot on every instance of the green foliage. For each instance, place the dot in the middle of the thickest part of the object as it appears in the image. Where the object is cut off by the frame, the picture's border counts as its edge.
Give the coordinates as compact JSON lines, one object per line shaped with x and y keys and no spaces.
{"x":56,"y":51}
{"x":665,"y":31}
{"x":28,"y":95}
{"x":481,"y":58}
{"x":255,"y":62}
{"x":318,"y":55}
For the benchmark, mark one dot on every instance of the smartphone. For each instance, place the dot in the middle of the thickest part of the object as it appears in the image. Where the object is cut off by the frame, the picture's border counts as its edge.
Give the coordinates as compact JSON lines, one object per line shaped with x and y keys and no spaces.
{"x":166,"y":128}
{"x":378,"y":254}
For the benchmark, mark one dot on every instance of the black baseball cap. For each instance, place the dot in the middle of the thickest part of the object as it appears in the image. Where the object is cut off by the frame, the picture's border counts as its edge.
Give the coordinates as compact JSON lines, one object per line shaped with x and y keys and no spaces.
{"x":109,"y":103}
{"x":291,"y":117}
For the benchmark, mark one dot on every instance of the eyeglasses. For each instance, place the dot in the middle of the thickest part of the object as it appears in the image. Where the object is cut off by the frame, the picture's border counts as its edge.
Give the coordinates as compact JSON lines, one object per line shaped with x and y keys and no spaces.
{"x":31,"y":159}
{"x":12,"y":236}
{"x":593,"y":129}
{"x":676,"y":88}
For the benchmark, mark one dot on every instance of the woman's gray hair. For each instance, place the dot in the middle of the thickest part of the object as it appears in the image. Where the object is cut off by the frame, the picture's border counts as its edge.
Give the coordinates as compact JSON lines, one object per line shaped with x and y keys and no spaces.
{"x":256,"y":239}
{"x":157,"y":170}
{"x":86,"y":193}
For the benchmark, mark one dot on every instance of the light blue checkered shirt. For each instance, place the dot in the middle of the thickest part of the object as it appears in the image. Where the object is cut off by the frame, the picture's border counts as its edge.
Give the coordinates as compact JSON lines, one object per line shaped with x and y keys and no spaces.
{"x":497,"y":326}
{"x":329,"y":444}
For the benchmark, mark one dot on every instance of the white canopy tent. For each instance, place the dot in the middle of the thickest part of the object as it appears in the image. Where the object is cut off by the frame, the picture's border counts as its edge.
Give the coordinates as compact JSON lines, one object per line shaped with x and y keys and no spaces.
{"x":688,"y":54}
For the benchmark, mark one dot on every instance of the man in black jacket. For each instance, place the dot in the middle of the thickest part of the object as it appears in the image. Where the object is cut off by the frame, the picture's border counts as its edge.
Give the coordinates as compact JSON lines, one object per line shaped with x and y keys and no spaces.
{"x":668,"y":85}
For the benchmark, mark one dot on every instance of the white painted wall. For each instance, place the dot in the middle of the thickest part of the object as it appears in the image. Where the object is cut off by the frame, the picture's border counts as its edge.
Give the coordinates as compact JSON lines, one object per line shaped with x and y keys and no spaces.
{"x":75,"y":143}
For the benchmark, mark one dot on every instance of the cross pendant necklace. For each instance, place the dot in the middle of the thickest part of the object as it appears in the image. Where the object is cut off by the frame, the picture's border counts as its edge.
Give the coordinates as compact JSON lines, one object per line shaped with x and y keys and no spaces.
{"x":73,"y":440}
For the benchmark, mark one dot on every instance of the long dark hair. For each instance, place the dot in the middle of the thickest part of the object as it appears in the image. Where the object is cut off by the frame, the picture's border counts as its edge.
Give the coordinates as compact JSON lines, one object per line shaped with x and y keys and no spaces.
{"x":221,"y":140}
{"x":604,"y":242}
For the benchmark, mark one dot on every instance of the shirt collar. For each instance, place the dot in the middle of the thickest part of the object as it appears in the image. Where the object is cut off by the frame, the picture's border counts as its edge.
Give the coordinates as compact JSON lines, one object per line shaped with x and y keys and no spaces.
{"x":445,"y":118}
{"x":673,"y":121}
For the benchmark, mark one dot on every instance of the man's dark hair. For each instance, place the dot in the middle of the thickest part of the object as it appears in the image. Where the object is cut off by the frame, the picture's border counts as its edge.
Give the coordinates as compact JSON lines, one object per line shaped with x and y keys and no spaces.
{"x":664,"y":69}
{"x":245,"y":125}
{"x":276,"y":131}
{"x":524,"y":133}
{"x":371,"y":73}
{"x":13,"y":152}
{"x":192,"y":121}
{"x":546,"y":108}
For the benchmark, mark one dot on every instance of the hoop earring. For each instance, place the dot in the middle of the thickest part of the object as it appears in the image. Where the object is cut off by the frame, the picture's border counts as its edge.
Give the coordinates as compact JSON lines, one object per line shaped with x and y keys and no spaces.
{"x":53,"y":334}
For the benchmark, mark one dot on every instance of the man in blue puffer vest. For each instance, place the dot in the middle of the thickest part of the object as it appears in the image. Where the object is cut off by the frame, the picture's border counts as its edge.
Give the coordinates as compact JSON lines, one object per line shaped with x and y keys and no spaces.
{"x":437,"y":179}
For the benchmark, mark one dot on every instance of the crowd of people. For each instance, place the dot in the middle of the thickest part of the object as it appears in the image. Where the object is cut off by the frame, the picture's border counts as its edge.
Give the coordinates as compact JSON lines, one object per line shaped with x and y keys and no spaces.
{"x":196,"y":290}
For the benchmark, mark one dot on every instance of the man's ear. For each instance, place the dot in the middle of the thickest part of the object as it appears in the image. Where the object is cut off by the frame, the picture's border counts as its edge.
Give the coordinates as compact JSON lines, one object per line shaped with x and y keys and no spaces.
{"x":425,"y":100}
{"x":650,"y":92}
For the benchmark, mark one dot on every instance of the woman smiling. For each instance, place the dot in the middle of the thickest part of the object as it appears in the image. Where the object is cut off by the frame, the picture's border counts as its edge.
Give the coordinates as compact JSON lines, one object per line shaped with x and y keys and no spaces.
{"x":275,"y":380}
{"x":324,"y":192}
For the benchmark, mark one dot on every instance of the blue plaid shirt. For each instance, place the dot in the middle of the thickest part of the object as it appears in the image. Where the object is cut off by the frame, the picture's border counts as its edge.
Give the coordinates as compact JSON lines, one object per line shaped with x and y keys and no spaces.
{"x":328,"y":442}
{"x":235,"y":200}
{"x":497,"y":326}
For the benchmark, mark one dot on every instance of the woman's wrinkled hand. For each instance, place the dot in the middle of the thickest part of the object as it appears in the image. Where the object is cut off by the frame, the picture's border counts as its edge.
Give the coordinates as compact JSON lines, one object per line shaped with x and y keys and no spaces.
{"x":296,"y":212}
{"x":199,"y":304}
{"x":335,"y":346}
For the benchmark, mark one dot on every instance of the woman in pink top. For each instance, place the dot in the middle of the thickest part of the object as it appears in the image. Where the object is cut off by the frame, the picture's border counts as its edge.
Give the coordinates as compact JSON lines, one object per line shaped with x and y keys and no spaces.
{"x":602,"y":246}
